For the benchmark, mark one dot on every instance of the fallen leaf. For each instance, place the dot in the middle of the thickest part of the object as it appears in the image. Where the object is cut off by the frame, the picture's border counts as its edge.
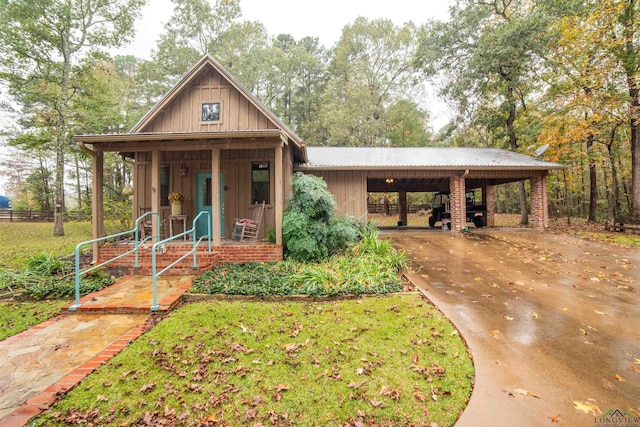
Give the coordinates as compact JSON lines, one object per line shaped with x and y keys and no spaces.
{"x":601,"y":313}
{"x":587,"y":408}
{"x":563,"y":309}
{"x":375,"y":403}
{"x":281,"y":387}
{"x":535,"y":315}
{"x":147,"y":387}
{"x":418,"y":395}
{"x":392,"y":393}
{"x":101,"y":398}
{"x":634,"y":368}
{"x":414,"y":357}
{"x":637,"y":361}
{"x":508,"y":318}
{"x":494,"y":333}
{"x":554,"y":419}
{"x":354,"y":385}
{"x":522,"y":393}
{"x":619,"y":378}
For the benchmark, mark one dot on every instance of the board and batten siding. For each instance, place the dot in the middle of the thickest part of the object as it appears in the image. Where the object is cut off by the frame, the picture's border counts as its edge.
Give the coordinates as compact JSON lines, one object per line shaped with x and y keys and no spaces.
{"x":234,"y":164}
{"x":349,"y":188}
{"x":184,"y":114}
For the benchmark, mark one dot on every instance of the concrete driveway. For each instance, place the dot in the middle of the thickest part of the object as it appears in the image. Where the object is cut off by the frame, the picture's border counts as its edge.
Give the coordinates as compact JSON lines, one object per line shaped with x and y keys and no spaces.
{"x":552,"y":321}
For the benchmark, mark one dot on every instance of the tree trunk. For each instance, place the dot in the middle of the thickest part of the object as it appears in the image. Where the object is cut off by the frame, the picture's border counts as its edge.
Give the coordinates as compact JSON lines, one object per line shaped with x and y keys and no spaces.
{"x":614,"y":183}
{"x":567,"y":202}
{"x":513,"y":142}
{"x":633,"y":82}
{"x":58,"y":212}
{"x":593,"y":181}
{"x":78,"y":184}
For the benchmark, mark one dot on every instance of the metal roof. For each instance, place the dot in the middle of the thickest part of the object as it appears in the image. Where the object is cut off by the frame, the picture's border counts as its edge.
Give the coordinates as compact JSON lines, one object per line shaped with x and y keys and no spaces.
{"x":419,"y":158}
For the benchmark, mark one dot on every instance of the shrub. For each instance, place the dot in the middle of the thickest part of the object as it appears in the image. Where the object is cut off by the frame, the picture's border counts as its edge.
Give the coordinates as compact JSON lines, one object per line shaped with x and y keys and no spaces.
{"x":309,"y":229}
{"x":368,"y":267}
{"x":48,"y":277}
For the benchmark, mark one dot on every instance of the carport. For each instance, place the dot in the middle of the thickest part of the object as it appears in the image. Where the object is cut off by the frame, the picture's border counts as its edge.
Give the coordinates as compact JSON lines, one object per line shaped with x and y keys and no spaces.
{"x":352,"y":172}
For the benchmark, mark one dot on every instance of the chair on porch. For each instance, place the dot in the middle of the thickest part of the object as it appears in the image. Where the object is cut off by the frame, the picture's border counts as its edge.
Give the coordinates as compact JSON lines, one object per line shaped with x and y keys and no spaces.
{"x":147,"y":225}
{"x":248,"y":228}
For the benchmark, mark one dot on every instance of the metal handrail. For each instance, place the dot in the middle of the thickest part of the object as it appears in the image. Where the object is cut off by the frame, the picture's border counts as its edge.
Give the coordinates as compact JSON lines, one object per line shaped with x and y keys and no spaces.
{"x":138,"y":243}
{"x":154,"y":251}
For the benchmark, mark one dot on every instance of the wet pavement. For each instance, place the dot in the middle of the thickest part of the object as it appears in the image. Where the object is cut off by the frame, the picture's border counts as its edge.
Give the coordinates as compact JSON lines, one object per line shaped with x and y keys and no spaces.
{"x":552,"y":321}
{"x":39,"y":364}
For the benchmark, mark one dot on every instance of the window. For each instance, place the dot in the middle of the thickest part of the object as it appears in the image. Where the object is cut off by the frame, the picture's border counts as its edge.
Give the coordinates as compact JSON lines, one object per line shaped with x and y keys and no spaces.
{"x":260,"y":182}
{"x":211,"y":112}
{"x":206,"y":192}
{"x":164,"y":185}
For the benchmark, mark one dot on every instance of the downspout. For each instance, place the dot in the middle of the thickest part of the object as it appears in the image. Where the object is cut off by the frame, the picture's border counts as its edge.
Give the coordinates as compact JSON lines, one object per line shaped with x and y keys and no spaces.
{"x":96,"y":227}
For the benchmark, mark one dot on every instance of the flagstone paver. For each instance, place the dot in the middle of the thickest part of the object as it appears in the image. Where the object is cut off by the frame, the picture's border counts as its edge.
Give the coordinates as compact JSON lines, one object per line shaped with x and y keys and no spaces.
{"x":42,"y":363}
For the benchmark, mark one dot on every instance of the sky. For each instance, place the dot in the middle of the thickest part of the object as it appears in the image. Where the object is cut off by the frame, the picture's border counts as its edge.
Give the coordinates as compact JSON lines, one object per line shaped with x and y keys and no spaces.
{"x":300,"y":18}
{"x":322,"y":19}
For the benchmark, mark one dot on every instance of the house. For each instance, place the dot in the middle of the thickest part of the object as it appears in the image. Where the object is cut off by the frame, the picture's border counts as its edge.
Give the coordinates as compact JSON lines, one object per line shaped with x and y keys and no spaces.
{"x":213,"y":141}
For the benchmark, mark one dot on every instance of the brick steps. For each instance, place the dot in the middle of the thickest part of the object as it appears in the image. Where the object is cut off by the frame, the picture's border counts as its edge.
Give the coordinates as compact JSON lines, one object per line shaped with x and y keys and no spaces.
{"x":238,"y":253}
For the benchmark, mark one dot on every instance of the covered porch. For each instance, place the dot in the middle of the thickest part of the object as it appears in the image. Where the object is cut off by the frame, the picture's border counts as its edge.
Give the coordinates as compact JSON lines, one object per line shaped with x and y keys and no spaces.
{"x":227,"y":174}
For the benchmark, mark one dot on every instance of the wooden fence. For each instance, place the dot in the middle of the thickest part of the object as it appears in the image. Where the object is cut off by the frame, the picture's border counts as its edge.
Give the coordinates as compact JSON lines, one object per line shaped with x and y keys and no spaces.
{"x":378,"y":208}
{"x":31,"y":215}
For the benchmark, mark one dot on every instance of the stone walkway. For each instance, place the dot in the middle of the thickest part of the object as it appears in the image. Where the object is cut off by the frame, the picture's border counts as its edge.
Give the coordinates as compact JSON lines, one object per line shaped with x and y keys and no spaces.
{"x":44,"y":362}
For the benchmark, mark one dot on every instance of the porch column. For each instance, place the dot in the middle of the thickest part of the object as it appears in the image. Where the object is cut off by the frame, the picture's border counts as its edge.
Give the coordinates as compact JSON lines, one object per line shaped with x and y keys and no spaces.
{"x":539,"y":205}
{"x":155,"y":191}
{"x":402,"y":202}
{"x":97,"y":204}
{"x":489,"y":200}
{"x":216,"y":226}
{"x":457,"y":202}
{"x":279,"y":194}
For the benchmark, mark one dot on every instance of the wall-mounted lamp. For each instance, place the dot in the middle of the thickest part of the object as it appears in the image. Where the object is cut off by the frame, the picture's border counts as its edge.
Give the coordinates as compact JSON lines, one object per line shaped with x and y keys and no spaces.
{"x":184,"y":170}
{"x":389,"y":180}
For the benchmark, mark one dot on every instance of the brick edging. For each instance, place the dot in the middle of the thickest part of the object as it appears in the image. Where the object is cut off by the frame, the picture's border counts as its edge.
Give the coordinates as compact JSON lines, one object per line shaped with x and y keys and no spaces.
{"x":45,"y":399}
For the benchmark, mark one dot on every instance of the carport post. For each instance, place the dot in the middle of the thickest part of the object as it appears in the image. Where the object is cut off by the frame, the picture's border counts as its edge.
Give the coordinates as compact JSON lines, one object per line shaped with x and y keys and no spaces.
{"x":402,"y":201}
{"x":489,"y":200}
{"x":539,"y":205}
{"x":457,"y":202}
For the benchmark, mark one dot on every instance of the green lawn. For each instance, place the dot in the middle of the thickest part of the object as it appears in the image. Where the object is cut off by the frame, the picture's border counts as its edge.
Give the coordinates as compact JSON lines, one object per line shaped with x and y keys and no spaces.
{"x":17,"y":316}
{"x":20,"y":240}
{"x":378,"y":361}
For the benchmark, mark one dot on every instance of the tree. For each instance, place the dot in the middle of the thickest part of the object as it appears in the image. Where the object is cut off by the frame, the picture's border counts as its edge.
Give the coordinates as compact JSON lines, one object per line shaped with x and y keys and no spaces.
{"x":41,"y":43}
{"x":408,"y":125}
{"x":487,"y":54}
{"x":373,"y":67}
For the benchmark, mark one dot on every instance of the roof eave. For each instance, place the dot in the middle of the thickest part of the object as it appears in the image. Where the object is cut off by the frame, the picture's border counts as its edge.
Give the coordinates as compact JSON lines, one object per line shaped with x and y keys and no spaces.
{"x":404,"y":168}
{"x":169,"y":136}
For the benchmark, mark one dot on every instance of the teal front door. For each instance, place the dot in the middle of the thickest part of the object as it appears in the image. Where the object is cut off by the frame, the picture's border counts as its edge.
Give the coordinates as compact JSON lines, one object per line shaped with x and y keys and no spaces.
{"x":203,"y":202}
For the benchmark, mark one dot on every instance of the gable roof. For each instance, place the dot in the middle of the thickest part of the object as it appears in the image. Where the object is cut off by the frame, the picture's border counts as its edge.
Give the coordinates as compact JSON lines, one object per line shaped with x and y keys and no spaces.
{"x":208,"y":61}
{"x":419,"y":158}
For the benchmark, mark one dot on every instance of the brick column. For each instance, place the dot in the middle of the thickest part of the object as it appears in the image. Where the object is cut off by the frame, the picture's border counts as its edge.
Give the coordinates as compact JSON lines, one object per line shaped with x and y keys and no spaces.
{"x":457,"y":203}
{"x":539,"y":208}
{"x":489,"y":200}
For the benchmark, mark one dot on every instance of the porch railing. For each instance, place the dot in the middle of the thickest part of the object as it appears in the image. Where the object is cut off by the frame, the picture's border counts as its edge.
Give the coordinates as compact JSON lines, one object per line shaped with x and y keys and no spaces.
{"x":138,"y":243}
{"x":158,"y":245}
